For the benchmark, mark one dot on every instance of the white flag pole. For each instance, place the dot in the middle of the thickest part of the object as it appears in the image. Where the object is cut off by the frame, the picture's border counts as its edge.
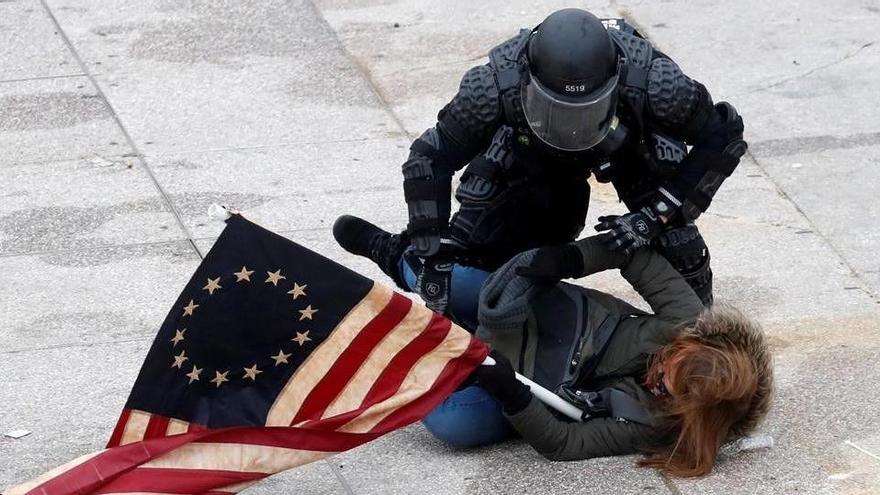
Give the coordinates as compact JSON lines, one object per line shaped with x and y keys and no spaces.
{"x":546,"y":396}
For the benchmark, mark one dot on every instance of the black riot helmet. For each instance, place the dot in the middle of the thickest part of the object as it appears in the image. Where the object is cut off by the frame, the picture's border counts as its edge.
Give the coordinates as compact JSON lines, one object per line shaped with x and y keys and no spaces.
{"x":570,"y":91}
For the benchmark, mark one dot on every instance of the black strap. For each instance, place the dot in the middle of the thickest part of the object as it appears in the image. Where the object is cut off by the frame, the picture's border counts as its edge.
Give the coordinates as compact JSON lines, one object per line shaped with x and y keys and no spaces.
{"x":724,"y":165}
{"x":423,"y":226}
{"x":635,"y":77}
{"x":699,"y":199}
{"x":422,"y":189}
{"x":423,"y":148}
{"x":607,"y":402}
{"x":508,"y":78}
{"x":601,"y":338}
{"x":453,"y":128}
{"x":481,"y":167}
{"x":721,"y":162}
{"x":444,"y":161}
{"x":622,"y":405}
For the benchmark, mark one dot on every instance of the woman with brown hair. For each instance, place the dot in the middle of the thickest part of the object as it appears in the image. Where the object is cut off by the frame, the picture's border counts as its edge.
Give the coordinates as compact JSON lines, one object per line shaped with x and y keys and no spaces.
{"x":673,"y":384}
{"x":714,"y":382}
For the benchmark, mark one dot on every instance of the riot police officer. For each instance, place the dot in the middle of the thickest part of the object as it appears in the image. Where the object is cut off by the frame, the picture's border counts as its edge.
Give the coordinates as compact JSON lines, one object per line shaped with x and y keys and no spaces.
{"x":572,"y":97}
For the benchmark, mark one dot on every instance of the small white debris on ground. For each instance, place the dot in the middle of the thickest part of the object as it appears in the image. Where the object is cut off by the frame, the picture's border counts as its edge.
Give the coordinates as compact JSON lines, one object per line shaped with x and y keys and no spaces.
{"x":747,"y":444}
{"x":16,"y":434}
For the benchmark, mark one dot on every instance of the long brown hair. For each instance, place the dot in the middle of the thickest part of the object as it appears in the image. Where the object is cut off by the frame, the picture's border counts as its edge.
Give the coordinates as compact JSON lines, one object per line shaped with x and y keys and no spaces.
{"x":720,"y":377}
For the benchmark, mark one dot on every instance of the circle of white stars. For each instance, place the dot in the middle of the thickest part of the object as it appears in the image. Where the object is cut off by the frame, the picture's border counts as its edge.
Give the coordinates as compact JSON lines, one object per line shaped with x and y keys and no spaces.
{"x":248,"y":374}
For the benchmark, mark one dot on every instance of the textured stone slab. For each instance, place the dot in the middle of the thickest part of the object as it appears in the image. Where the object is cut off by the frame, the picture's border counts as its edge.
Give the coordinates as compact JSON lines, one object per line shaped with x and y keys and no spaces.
{"x":766,"y":257}
{"x":30,"y":46}
{"x":808,"y":71}
{"x":291,"y":187}
{"x":55,"y":120}
{"x":117,"y":36}
{"x":416,"y":52}
{"x":91,"y":202}
{"x":89,"y":296}
{"x":199,"y":76}
{"x":412,"y":461}
{"x":70,"y":397}
{"x":838,"y":189}
{"x":179,"y":109}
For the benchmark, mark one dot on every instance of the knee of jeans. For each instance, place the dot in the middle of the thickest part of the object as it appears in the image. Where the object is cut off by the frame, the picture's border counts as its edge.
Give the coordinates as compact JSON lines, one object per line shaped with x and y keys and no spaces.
{"x":450,"y":432}
{"x":468,"y":424}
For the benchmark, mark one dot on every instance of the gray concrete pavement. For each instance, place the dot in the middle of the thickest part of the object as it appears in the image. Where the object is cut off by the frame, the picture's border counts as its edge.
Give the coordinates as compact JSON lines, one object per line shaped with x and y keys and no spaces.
{"x":121,"y":121}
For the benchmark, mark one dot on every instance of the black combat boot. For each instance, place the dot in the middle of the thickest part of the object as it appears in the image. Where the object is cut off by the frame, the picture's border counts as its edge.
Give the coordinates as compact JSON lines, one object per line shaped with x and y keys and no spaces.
{"x":360,"y":237}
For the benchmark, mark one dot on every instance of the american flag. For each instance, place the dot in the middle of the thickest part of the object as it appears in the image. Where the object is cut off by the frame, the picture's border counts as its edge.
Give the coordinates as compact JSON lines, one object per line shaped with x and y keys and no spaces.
{"x":272,"y":357}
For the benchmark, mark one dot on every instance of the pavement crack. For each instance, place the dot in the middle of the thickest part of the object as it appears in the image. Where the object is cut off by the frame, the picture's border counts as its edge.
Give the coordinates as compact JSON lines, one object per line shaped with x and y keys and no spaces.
{"x":338,"y":473}
{"x":798,"y":229}
{"x":435,"y":66}
{"x":42,"y":78}
{"x":670,"y":485}
{"x":286,"y":144}
{"x":364,"y":71}
{"x":814,"y":70}
{"x":122,"y":128}
{"x":862,"y":450}
{"x":79,"y":345}
{"x":865,"y":286}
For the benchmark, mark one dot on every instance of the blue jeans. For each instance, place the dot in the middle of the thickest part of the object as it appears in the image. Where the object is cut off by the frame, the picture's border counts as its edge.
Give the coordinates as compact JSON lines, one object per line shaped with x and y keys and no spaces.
{"x":468,"y":418}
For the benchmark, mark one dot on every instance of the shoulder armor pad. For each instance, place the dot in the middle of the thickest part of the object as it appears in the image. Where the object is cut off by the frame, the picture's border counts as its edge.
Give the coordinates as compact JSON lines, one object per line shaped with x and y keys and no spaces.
{"x":475,"y":109}
{"x":506,"y":55}
{"x":673,"y":97}
{"x":636,"y":50}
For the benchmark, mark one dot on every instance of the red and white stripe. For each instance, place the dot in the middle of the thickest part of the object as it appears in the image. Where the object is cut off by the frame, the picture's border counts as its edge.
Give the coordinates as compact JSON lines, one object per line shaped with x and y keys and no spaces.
{"x":385,"y":365}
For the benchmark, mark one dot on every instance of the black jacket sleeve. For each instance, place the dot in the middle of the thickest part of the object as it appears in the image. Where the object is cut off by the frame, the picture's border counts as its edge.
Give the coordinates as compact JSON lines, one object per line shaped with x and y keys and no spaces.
{"x":463,"y":128}
{"x":683,"y":108}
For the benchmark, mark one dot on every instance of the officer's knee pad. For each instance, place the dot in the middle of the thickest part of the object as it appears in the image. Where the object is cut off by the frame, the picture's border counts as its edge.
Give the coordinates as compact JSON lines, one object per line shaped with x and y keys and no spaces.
{"x":686,"y":250}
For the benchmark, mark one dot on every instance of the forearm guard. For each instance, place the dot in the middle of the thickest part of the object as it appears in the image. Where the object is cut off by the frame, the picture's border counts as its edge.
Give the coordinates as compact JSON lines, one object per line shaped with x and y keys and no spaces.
{"x":463,"y":126}
{"x":717,"y":150}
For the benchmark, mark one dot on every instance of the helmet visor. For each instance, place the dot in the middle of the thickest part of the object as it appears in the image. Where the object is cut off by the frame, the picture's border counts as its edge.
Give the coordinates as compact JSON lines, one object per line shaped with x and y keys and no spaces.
{"x":570,"y":124}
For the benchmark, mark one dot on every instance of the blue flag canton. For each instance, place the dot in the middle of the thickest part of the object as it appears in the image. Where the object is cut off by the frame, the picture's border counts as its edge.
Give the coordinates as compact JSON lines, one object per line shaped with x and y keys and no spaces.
{"x":242,"y":325}
{"x":251,"y":314}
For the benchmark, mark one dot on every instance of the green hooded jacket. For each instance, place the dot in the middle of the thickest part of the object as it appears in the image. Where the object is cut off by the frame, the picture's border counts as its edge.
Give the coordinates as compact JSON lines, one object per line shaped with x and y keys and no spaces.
{"x":512,"y":318}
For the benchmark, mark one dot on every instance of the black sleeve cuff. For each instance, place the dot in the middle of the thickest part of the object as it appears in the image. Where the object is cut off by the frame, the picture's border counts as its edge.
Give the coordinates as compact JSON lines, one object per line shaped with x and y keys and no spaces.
{"x":518,"y":401}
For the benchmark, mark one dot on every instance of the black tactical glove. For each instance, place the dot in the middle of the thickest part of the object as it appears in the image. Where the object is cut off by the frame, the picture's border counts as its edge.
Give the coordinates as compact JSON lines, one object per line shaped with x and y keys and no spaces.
{"x":499,"y":380}
{"x":433,"y":282}
{"x":629,"y":232}
{"x":554,"y":263}
{"x":434,"y":274}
